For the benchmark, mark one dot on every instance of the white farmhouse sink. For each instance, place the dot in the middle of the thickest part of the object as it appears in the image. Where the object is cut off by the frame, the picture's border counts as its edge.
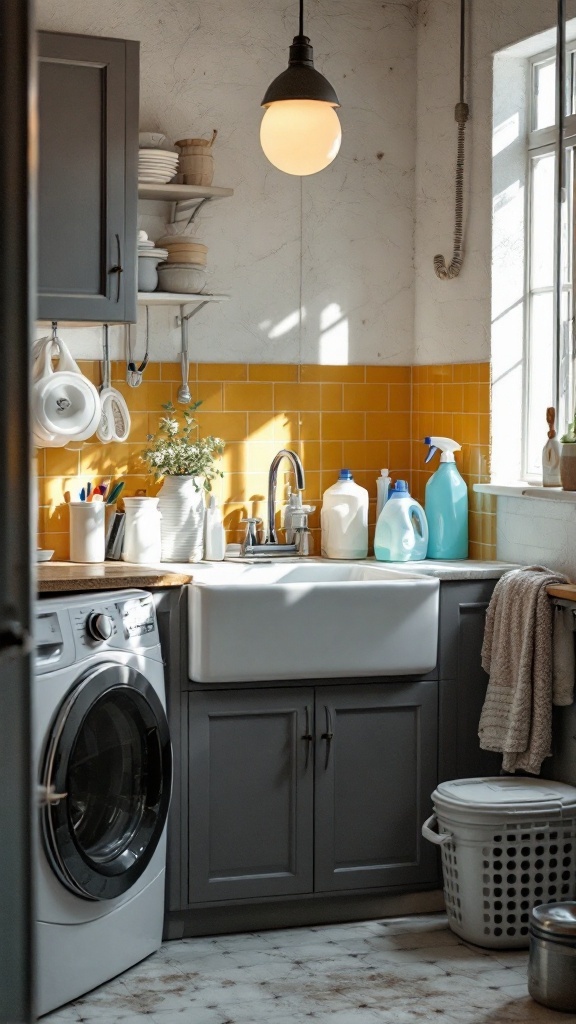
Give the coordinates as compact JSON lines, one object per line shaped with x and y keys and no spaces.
{"x":312,"y":620}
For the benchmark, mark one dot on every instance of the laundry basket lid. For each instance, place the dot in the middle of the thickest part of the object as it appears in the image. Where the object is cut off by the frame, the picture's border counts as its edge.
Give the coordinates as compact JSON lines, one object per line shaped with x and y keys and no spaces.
{"x":504,"y":797}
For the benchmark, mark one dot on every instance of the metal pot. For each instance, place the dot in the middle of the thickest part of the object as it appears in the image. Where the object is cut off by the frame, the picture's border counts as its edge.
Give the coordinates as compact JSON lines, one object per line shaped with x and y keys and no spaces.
{"x":552,"y":964}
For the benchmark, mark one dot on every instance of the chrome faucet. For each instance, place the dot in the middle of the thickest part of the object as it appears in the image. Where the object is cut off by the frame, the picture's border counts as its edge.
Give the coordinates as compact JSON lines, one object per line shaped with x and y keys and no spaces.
{"x":298,"y":468}
{"x":271,"y":547}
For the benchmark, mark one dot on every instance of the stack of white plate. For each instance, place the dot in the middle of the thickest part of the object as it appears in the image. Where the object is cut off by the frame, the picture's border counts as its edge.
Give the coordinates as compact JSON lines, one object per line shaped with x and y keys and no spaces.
{"x":156,"y":166}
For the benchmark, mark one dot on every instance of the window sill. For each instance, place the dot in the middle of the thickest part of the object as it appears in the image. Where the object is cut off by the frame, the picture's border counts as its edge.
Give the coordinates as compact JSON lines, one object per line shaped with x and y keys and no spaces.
{"x":524,"y":490}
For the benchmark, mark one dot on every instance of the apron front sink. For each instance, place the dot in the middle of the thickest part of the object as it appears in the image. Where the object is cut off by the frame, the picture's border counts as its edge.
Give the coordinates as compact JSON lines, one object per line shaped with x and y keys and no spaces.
{"x":311,"y":620}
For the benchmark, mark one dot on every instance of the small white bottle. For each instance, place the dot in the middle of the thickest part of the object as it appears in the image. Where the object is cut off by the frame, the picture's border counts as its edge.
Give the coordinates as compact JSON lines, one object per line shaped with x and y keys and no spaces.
{"x":382,"y":488}
{"x":344,"y":519}
{"x":214,"y":535}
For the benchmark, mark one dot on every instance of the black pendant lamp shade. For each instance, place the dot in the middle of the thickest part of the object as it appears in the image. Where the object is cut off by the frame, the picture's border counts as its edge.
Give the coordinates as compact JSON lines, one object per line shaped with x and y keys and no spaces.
{"x":300,"y":132}
{"x":301,"y":81}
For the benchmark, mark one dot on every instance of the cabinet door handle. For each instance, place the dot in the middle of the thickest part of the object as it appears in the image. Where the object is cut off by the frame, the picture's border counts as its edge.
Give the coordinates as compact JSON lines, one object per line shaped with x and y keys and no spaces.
{"x":328,"y":735}
{"x":118,"y":269}
{"x":308,"y":737}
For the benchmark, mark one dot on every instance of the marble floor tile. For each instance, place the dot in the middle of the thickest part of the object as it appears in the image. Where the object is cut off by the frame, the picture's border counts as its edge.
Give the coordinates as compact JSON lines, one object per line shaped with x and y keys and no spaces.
{"x":402,"y":971}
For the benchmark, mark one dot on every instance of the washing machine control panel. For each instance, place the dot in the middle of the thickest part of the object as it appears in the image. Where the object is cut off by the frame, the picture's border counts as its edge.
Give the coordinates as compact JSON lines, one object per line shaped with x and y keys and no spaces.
{"x":129,"y":623}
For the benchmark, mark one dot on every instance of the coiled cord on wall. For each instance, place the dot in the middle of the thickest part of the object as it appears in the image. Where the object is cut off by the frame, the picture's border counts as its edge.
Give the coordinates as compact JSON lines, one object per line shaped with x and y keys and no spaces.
{"x":461,"y":114}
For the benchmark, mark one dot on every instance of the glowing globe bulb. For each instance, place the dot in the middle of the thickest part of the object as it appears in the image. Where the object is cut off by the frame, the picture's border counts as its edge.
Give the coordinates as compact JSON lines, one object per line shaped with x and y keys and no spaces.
{"x":300,"y":136}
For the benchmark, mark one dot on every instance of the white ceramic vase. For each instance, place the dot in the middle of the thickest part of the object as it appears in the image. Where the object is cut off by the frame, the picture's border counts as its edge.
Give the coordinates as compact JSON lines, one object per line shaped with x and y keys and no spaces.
{"x":183,"y":509}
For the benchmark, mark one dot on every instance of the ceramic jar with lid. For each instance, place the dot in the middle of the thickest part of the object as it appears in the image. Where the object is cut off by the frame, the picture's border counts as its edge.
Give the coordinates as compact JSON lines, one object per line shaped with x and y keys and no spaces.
{"x":142,"y":537}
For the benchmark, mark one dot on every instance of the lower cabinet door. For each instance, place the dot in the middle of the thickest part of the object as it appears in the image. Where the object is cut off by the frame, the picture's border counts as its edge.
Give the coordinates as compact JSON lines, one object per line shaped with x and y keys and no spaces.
{"x":251,"y":772}
{"x":376,"y":756}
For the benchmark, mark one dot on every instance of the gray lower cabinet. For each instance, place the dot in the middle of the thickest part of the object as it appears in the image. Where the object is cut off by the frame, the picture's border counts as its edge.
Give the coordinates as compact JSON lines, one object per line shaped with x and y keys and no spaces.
{"x":88,"y":90}
{"x":250,"y":806}
{"x":295,"y":790}
{"x":463,"y":681}
{"x":375,"y":770}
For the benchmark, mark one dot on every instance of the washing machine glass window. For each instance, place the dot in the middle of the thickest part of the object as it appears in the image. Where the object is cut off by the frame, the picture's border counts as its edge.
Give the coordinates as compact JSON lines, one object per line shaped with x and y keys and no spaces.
{"x":109,"y":756}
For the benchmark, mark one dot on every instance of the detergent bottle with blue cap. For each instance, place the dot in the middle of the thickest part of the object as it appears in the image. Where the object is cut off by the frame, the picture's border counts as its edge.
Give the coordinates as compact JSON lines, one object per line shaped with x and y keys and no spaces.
{"x":446,"y":503}
{"x":401,"y":530}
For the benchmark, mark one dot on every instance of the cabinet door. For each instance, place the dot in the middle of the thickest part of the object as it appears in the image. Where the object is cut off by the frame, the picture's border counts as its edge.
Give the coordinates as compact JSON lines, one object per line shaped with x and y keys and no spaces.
{"x":87,"y":178}
{"x":376,"y":749}
{"x":463,"y":680}
{"x":250,"y":794}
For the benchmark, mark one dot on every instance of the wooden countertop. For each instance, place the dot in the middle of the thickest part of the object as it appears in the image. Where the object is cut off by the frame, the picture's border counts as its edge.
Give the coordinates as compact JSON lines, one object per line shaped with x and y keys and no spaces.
{"x":565,"y":590}
{"x":61,"y":576}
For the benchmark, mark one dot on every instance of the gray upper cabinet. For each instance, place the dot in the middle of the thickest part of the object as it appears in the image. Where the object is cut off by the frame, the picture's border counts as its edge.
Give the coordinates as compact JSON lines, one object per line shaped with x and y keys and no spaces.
{"x":88,"y":177}
{"x":376,"y":751}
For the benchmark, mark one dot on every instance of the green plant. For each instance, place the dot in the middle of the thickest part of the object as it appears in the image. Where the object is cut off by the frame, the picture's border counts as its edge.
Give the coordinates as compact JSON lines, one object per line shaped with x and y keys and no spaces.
{"x":570,"y":436}
{"x":174,"y":452}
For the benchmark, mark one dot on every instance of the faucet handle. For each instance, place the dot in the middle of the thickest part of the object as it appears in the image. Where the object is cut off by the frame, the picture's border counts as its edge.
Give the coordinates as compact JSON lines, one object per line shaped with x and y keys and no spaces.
{"x":251,"y":538}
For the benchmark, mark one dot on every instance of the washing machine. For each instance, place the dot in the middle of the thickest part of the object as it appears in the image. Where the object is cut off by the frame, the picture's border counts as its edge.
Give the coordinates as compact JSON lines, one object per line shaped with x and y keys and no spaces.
{"x":104,"y":769}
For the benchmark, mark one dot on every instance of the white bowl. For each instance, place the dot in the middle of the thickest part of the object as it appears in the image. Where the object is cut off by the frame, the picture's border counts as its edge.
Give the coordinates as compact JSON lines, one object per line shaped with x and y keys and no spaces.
{"x":43,"y":555}
{"x":181,"y":277}
{"x":147,"y":275}
{"x":151,"y":139}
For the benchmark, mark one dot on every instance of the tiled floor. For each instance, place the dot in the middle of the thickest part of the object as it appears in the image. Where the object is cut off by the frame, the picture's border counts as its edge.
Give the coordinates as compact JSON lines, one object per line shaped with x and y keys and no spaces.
{"x":395,"y":971}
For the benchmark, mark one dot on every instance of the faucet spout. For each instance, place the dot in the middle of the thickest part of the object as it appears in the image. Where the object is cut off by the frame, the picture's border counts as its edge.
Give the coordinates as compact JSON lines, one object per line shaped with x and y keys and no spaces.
{"x":298,"y":468}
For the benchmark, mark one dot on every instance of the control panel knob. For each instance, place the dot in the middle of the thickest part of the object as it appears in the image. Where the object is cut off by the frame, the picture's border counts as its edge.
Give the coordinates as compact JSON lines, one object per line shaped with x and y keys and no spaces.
{"x":99,"y":626}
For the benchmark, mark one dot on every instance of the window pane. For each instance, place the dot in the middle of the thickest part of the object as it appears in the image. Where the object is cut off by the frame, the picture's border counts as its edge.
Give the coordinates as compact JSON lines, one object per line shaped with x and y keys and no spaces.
{"x":542,"y":240}
{"x":545,"y":98}
{"x":540,"y":377}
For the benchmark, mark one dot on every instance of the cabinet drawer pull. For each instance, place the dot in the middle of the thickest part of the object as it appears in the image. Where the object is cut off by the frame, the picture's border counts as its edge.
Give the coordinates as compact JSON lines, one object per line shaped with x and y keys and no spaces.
{"x":118,"y":269}
{"x":328,"y":735}
{"x":308,"y":737}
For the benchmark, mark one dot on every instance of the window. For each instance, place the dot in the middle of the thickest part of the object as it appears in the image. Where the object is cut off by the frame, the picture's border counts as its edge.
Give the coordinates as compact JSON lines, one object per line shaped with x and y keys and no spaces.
{"x":541,"y":351}
{"x":532,"y":358}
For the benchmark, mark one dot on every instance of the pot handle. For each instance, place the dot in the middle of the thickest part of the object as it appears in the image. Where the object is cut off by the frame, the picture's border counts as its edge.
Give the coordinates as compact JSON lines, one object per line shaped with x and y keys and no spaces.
{"x":438,"y":838}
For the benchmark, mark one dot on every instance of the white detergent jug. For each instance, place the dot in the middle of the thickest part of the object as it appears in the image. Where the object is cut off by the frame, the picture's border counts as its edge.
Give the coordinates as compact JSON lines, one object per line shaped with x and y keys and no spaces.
{"x":344,"y":519}
{"x":402,"y":529}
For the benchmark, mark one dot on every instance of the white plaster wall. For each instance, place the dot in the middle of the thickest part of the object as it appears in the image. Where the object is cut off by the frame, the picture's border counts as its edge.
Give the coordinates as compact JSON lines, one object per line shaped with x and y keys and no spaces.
{"x":537,"y":531}
{"x":319,"y":270}
{"x":453,"y":318}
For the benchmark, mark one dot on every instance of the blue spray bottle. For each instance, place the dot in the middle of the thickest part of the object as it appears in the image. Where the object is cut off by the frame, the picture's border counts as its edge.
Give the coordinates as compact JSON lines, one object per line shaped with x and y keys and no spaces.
{"x":446,"y":503}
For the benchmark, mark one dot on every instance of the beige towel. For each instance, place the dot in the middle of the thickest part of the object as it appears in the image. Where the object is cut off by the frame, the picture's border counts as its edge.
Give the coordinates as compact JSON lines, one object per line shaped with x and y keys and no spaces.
{"x":517,"y":653}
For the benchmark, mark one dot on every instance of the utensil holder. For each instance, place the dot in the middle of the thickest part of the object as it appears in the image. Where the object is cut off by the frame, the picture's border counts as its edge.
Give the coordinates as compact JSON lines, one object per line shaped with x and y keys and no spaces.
{"x":87,"y":531}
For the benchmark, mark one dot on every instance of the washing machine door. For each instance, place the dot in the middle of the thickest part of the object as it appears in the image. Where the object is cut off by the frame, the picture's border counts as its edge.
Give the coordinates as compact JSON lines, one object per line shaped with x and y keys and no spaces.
{"x":108,"y":766}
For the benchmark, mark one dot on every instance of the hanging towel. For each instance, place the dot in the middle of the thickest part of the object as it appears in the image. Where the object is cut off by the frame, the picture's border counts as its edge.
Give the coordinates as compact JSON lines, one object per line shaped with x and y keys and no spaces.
{"x":563,"y":652}
{"x":517,"y":653}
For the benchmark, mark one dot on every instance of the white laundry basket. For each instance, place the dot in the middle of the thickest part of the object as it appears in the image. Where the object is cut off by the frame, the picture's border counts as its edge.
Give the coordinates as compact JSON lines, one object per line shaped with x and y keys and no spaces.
{"x":508,"y":845}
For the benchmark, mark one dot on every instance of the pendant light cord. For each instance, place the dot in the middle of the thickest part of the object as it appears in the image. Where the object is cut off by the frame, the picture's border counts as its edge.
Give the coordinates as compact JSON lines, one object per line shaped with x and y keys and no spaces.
{"x":301,"y":27}
{"x":461,"y":113}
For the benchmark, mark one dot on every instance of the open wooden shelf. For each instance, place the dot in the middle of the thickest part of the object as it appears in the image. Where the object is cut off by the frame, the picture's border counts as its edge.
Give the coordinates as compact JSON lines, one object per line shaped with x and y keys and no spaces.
{"x":182,"y":193}
{"x":176,"y":298}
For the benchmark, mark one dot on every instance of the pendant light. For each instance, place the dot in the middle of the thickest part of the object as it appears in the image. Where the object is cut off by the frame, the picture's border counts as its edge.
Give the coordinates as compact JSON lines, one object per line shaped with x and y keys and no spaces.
{"x":300,"y":131}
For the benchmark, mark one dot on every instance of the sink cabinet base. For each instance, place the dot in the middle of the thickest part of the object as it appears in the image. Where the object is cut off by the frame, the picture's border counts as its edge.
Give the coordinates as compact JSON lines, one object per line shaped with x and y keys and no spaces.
{"x":227,"y":918}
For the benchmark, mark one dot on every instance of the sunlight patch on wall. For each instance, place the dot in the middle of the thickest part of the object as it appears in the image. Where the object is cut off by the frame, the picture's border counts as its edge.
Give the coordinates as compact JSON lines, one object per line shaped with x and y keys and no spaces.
{"x":505,"y":134}
{"x":334,"y":340}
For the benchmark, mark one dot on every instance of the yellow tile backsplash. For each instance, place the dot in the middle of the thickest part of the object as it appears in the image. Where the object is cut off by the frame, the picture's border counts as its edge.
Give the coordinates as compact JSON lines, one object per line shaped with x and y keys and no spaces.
{"x":363,"y":417}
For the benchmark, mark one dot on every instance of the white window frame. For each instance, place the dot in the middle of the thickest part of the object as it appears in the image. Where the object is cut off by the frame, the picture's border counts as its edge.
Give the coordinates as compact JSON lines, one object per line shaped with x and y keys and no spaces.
{"x":540,"y":142}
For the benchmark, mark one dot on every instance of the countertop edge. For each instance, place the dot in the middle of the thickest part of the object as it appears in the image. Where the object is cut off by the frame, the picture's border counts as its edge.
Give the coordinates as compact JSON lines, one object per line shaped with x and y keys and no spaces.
{"x":60,"y":577}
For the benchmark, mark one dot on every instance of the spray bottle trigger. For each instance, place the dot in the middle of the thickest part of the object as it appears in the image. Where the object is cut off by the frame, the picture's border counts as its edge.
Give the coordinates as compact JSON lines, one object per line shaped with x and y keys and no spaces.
{"x":431,"y":453}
